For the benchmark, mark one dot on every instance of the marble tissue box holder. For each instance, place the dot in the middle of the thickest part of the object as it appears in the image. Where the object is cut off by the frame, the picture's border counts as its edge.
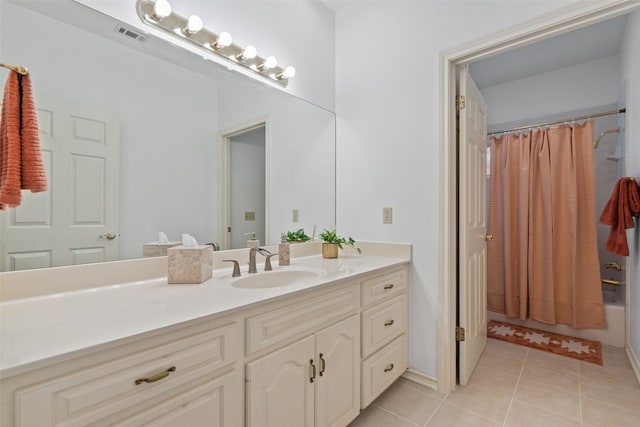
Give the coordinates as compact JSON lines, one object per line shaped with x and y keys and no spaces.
{"x":189,"y":265}
{"x":157,"y":248}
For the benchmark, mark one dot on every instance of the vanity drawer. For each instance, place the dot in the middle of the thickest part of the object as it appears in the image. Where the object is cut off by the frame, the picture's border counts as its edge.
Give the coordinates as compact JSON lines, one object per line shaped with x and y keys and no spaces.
{"x":382,"y":369}
{"x":278,"y":325}
{"x":99,"y":392}
{"x":382,"y":323}
{"x":381,"y":287}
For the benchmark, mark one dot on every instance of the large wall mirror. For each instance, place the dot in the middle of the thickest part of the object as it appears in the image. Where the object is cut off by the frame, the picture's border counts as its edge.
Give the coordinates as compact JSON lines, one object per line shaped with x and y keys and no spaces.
{"x":138,"y":137}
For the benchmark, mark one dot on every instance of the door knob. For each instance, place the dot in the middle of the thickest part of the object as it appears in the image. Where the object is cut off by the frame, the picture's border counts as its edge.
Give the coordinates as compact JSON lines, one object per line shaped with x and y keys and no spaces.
{"x":488,"y":237}
{"x":108,"y":236}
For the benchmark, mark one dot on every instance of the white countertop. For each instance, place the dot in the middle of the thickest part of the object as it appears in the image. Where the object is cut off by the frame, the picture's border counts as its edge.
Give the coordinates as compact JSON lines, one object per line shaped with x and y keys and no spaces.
{"x":41,"y":330}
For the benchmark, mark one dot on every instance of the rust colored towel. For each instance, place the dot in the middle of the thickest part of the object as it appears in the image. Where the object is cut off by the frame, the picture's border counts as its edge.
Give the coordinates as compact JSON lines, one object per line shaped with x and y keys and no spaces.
{"x":618,"y":213}
{"x":21,"y":165}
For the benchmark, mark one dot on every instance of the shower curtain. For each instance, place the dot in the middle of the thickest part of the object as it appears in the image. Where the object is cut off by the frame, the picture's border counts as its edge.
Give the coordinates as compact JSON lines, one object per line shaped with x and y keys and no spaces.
{"x":543,"y":261}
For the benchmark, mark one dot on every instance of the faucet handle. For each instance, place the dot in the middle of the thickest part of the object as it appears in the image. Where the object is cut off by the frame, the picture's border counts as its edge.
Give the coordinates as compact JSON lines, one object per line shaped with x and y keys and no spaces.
{"x":267,"y":262}
{"x":236,"y":267}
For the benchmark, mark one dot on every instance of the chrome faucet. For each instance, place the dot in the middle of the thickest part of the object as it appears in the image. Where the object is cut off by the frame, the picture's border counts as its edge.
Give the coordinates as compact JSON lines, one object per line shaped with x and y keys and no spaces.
{"x":252,"y":258}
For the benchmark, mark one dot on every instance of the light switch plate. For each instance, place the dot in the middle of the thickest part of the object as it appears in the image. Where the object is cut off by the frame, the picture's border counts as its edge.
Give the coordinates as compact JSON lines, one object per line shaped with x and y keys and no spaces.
{"x":295,"y":216}
{"x":387,"y":215}
{"x":249,"y":216}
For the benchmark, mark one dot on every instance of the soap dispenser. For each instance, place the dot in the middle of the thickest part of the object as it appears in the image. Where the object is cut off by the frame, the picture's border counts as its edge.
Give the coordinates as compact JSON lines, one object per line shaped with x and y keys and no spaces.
{"x":252,"y":242}
{"x":284,"y":257}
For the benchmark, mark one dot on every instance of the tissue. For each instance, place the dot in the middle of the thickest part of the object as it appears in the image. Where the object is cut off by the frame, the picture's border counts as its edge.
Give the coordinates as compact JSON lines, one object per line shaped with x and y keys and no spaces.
{"x":162,"y":238}
{"x":188,"y":241}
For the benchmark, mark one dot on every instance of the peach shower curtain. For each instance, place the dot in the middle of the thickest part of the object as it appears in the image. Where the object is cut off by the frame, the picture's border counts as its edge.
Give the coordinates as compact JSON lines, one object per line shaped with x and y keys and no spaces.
{"x":543,"y":261}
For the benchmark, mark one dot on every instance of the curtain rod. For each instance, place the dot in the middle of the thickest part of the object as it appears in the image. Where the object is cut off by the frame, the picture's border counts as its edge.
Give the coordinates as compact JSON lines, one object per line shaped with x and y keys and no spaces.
{"x":17,"y":68}
{"x":571,"y":119}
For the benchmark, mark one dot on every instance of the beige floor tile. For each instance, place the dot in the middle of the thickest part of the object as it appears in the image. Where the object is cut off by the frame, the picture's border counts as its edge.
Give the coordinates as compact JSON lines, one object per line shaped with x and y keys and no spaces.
{"x":602,"y":414}
{"x":494,"y":380}
{"x":408,"y":402}
{"x":485,"y":402}
{"x":622,"y":397}
{"x":615,"y":357}
{"x":609,"y":374}
{"x":506,"y":348}
{"x":426,"y":390}
{"x":522,"y":414}
{"x":377,"y":417}
{"x":505,"y":364}
{"x":558,"y":402}
{"x":554,"y":361}
{"x":452,"y":416}
{"x":553,"y":378}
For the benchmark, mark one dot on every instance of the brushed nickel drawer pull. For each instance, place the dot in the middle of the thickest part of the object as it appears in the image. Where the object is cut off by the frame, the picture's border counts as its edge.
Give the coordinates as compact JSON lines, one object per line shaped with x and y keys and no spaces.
{"x":389,"y":286}
{"x":389,"y":368}
{"x":313,"y":371}
{"x":388,"y":323}
{"x":156,"y":377}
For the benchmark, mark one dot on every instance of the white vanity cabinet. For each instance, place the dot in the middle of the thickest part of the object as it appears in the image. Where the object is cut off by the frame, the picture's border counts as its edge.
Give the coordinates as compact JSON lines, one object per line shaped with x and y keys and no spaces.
{"x":191,"y":381}
{"x":312,"y":382}
{"x":315,"y":357}
{"x":384,"y":332}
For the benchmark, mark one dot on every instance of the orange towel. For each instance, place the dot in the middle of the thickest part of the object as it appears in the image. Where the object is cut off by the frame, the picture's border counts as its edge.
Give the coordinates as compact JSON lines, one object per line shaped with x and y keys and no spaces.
{"x":21,"y":165}
{"x":618,"y":213}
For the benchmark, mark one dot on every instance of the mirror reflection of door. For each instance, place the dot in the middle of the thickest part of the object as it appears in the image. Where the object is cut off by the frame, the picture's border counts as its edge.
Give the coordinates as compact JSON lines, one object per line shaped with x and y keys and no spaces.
{"x":247,"y":184}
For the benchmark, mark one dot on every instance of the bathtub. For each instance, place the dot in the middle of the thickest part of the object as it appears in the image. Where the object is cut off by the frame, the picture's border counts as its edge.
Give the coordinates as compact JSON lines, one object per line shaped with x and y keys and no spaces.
{"x":613,"y":335}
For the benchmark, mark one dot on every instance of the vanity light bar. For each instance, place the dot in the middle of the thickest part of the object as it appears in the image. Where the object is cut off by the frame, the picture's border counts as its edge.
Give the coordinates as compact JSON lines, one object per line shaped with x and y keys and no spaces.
{"x":158,"y":14}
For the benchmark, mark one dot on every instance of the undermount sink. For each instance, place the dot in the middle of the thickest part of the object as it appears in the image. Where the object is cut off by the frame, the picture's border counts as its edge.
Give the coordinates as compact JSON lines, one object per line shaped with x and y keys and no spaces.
{"x":274,"y":279}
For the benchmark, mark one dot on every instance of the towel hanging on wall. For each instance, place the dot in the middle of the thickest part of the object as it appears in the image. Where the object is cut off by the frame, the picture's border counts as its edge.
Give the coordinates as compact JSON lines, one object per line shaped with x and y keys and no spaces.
{"x":623,"y":205}
{"x":21,"y":164}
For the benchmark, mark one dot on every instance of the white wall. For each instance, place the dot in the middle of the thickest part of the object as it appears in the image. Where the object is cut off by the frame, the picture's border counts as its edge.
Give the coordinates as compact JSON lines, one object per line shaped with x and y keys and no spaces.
{"x":297,"y":32}
{"x":631,"y":84}
{"x":579,"y":87}
{"x":387,"y":99}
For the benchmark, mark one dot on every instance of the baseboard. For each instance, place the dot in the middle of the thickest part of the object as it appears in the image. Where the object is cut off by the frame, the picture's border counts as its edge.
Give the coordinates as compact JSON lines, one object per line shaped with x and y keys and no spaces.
{"x":633,"y":358}
{"x":420,"y":378}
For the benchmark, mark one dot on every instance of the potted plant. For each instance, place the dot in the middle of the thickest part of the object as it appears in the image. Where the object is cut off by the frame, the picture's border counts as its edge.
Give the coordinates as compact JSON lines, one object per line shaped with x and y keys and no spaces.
{"x":332,"y":242}
{"x":297,"y":236}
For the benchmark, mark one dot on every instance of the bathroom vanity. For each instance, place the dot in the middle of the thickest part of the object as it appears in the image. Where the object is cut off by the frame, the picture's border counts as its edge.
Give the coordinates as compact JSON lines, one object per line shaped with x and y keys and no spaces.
{"x":310,"y":345}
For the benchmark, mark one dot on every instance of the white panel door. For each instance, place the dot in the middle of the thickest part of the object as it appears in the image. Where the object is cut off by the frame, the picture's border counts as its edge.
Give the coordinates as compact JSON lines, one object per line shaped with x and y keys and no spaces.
{"x":338,"y":381}
{"x":472,"y":291}
{"x":76,"y":220}
{"x":280,"y":391}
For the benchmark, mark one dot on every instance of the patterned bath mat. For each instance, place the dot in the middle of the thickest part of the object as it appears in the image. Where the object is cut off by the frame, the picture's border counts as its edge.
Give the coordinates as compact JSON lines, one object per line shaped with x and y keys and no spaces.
{"x":578,"y":348}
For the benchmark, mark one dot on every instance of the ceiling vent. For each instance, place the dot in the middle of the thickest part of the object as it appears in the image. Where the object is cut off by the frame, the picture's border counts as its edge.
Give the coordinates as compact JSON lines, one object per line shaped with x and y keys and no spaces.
{"x":128,"y":32}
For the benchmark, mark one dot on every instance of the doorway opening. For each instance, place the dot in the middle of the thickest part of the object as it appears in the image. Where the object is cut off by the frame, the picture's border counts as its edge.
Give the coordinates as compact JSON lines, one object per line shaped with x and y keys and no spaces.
{"x":573,"y":17}
{"x":244,"y":206}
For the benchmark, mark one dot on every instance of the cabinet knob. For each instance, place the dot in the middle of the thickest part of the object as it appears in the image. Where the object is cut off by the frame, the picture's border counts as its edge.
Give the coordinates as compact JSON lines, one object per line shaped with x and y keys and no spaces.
{"x":156,"y":377}
{"x":389,"y":368}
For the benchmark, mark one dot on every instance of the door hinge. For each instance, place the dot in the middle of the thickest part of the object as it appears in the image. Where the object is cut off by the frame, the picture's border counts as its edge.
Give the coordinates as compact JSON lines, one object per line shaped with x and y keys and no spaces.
{"x":460,"y":103}
{"x":459,"y":333}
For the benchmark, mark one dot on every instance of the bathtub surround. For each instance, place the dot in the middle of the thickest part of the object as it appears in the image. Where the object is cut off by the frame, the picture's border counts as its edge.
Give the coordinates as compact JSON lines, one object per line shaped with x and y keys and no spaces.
{"x":543,"y":261}
{"x":563,"y":345}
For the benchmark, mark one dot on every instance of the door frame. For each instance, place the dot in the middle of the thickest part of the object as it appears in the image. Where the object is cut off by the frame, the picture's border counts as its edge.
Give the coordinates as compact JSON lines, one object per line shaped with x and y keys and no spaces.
{"x":224,"y":173}
{"x":571,"y":17}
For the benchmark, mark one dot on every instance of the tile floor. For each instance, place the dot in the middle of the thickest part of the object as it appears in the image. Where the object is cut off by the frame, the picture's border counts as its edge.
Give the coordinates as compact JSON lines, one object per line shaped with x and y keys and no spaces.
{"x":517,"y":386}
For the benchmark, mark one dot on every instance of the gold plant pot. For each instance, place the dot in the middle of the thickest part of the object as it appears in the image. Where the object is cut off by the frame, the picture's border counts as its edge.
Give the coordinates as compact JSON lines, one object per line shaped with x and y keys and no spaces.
{"x":330,"y":250}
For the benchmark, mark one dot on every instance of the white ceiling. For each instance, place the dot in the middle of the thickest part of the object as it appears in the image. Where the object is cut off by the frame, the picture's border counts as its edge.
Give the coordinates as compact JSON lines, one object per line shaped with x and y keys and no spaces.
{"x":586,"y":44}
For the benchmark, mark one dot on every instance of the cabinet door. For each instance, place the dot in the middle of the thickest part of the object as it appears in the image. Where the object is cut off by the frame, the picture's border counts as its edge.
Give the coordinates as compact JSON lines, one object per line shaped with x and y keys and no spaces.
{"x":279,"y":388}
{"x":338,"y":384}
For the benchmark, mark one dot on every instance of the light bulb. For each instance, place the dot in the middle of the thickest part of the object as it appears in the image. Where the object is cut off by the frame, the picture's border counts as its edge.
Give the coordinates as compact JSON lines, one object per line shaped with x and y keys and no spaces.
{"x":161,"y":9}
{"x":268,"y":63}
{"x":224,"y":40}
{"x":289,"y":72}
{"x":248,"y":52}
{"x":194,"y":24}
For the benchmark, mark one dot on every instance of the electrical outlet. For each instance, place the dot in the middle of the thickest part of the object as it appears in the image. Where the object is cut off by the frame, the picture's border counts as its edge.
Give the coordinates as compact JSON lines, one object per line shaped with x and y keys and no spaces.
{"x":295,"y":217}
{"x":387,"y":215}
